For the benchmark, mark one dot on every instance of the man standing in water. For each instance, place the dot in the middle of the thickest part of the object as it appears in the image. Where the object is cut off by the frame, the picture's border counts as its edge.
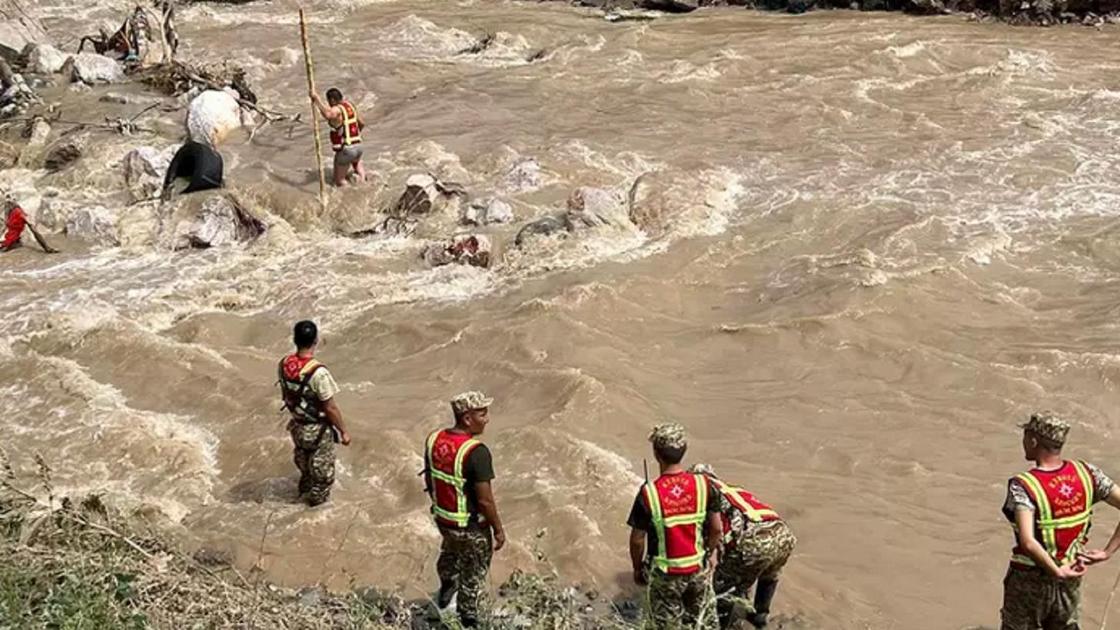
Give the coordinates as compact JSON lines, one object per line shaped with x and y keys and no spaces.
{"x":346,"y":135}
{"x":675,"y":521}
{"x":1050,"y":507}
{"x":308,"y":390}
{"x":757,"y":545}
{"x":458,"y":470}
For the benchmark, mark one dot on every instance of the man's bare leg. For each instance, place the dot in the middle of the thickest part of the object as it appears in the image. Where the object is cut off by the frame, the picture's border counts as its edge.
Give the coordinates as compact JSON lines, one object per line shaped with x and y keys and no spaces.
{"x":360,"y":170}
{"x":340,"y":175}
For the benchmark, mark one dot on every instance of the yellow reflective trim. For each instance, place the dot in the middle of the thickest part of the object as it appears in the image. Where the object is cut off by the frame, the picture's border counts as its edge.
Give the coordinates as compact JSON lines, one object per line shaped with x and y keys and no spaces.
{"x":661,"y":560}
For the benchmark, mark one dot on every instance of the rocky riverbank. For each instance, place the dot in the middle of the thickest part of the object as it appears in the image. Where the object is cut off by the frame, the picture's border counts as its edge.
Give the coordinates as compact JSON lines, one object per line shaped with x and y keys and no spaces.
{"x":1020,"y":12}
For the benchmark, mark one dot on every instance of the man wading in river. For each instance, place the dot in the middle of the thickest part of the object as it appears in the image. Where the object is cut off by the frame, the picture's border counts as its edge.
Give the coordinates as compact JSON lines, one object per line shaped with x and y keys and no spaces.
{"x":346,"y":135}
{"x":457,"y":474}
{"x":308,"y":390}
{"x":757,"y":545}
{"x":1050,"y":507}
{"x":679,"y":514}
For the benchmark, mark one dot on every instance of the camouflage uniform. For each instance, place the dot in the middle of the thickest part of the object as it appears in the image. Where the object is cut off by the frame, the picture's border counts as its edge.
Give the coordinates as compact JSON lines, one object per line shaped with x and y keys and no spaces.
{"x":1032,"y":598}
{"x":679,"y":602}
{"x":314,"y":457}
{"x":464,"y":560}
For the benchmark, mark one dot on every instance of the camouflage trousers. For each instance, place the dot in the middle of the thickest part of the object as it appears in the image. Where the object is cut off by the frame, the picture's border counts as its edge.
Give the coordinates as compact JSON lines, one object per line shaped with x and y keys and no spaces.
{"x":1033,"y":600}
{"x":680,"y":602}
{"x":761,"y":556}
{"x":314,"y":457}
{"x":464,"y":563}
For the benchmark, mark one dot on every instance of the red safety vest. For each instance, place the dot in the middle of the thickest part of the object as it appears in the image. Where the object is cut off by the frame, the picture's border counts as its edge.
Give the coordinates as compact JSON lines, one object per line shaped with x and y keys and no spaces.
{"x":295,"y":378}
{"x":752,"y":509}
{"x":1064,"y":502}
{"x":349,"y":132}
{"x":678,"y":505}
{"x":13,"y":226}
{"x":447,"y":452}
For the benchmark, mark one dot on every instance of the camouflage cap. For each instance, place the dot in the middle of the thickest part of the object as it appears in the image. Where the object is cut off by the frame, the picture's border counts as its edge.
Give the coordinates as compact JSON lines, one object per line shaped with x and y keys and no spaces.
{"x":469,"y":401}
{"x":703,"y":469}
{"x":668,"y":435}
{"x":1047,"y":425}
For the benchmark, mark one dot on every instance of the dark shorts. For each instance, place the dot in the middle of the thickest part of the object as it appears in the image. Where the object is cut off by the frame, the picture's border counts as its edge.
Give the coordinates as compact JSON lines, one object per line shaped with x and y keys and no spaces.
{"x":347,"y":156}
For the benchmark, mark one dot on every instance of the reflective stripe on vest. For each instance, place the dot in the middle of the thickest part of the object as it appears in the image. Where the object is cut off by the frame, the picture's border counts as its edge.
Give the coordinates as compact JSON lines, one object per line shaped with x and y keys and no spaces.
{"x":348,"y":133}
{"x":1052,"y":530}
{"x":307,"y":407}
{"x":453,"y":478}
{"x":754,"y":514}
{"x":664,"y":560}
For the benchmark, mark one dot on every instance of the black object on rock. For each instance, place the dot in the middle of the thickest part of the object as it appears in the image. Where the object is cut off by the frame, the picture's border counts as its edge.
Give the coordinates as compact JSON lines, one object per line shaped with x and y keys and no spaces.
{"x":199,"y":163}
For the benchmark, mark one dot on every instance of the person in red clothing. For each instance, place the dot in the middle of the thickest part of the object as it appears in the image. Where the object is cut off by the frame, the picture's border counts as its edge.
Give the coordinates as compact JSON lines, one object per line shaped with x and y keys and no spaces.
{"x":15,"y":220}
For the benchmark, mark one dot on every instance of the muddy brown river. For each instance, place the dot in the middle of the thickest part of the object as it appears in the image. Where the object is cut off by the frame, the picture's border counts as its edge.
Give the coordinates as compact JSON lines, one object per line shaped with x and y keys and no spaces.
{"x":889,"y":239}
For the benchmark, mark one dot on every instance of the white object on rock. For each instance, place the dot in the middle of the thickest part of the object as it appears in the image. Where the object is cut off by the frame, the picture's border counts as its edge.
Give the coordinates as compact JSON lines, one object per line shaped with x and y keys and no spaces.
{"x":213,"y":115}
{"x":90,"y":68}
{"x":44,"y":59}
{"x":96,"y":224}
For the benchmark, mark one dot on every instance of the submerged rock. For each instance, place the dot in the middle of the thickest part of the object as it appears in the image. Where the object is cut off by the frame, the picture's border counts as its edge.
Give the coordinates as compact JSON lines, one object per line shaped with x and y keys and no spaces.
{"x":145,"y":169}
{"x":64,"y":151}
{"x":523,"y":176}
{"x":592,"y":207}
{"x":487,"y":211}
{"x":545,"y":226}
{"x":424,"y":194}
{"x":648,"y":205}
{"x":468,"y":249}
{"x":95,"y":224}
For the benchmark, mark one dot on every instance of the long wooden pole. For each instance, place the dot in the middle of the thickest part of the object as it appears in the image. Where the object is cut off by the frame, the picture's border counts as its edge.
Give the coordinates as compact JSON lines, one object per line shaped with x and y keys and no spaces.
{"x":314,"y":110}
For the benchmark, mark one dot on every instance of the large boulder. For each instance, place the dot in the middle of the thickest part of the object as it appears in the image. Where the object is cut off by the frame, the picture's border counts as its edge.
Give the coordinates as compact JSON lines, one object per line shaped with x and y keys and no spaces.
{"x":209,"y":219}
{"x":424,"y":194}
{"x":91,"y":68}
{"x":145,"y":169}
{"x":670,"y":6}
{"x":213,"y":114}
{"x":648,"y":204}
{"x":95,"y":224}
{"x":17,"y":30}
{"x":44,"y":59}
{"x":593,"y":207}
{"x":487,"y":211}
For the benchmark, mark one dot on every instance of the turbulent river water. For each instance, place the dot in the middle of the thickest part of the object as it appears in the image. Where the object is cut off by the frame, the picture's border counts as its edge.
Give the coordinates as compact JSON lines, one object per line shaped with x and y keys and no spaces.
{"x":889,"y":240}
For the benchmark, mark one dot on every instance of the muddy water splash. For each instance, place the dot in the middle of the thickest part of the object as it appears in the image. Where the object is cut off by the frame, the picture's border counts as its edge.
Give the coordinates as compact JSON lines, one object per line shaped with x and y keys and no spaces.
{"x":889,"y":239}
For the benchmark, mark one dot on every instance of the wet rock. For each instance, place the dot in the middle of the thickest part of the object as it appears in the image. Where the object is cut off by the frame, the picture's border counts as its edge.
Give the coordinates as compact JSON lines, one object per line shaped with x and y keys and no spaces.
{"x":130,"y":99}
{"x":43,"y":59}
{"x":213,"y":114}
{"x":670,"y":6}
{"x":91,"y":68}
{"x":468,"y":249}
{"x":593,"y":207}
{"x":545,"y":226}
{"x":926,"y":7}
{"x":487,"y":211}
{"x":144,"y":170}
{"x":424,"y":194}
{"x":523,"y":176}
{"x":54,"y":213}
{"x":648,"y":205}
{"x":17,"y":34}
{"x":209,"y":219}
{"x":38,"y":130}
{"x":95,"y":224}
{"x":64,"y":152}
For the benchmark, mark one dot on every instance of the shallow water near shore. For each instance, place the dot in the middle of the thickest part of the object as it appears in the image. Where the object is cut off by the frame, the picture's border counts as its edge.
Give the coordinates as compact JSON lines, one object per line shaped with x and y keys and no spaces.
{"x":889,"y":239}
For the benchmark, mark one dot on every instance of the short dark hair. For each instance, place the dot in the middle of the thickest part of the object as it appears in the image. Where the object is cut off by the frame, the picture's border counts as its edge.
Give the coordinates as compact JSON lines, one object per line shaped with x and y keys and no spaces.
{"x":334,"y":94}
{"x":305,"y":334}
{"x":670,"y":454}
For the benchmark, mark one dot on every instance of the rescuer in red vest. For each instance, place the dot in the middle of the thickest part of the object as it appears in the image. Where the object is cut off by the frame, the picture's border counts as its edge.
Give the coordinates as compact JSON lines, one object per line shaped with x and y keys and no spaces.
{"x":757,"y":544}
{"x":1050,"y":508}
{"x":308,"y":390}
{"x":675,"y":537}
{"x":346,"y":135}
{"x":458,"y":470}
{"x":15,"y":220}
